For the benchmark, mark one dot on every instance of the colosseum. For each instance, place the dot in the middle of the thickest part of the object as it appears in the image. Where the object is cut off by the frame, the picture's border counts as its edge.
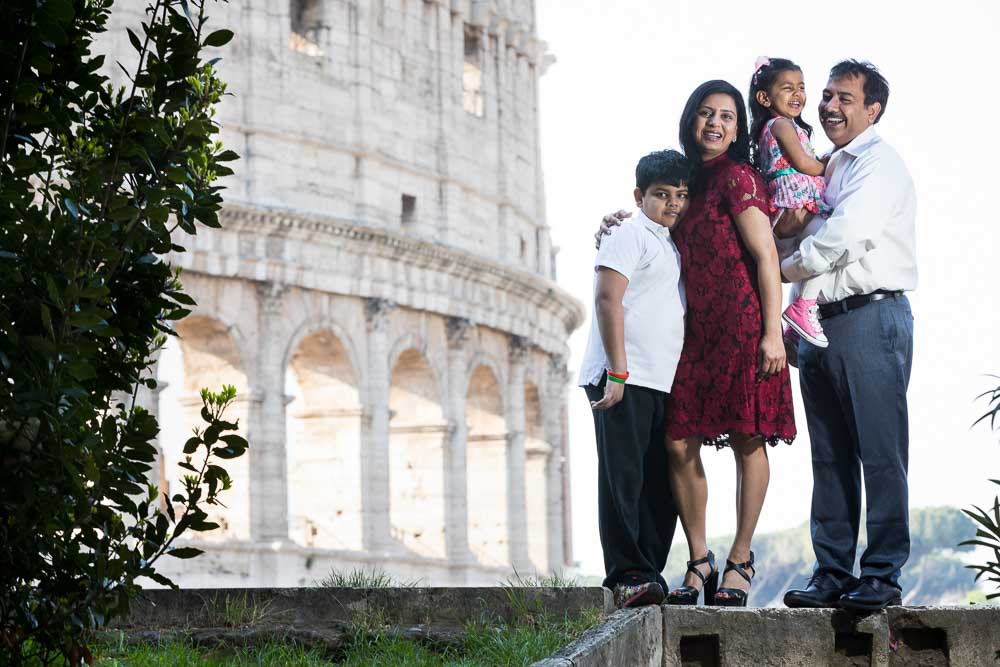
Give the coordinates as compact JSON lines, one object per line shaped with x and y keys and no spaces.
{"x":382,"y":294}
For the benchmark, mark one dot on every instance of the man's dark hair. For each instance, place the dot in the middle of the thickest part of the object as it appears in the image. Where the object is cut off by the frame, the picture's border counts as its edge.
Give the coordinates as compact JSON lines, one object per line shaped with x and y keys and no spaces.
{"x":875,"y":86}
{"x":664,"y":167}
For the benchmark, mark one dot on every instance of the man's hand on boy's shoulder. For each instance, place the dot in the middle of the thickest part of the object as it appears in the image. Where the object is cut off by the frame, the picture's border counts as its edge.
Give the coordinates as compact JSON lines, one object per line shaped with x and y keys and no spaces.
{"x":613,"y":392}
{"x":610,"y":221}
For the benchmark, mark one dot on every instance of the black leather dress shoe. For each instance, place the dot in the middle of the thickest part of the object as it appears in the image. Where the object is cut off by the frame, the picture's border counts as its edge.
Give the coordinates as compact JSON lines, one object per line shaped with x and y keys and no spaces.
{"x":871,"y":594}
{"x":821,"y":591}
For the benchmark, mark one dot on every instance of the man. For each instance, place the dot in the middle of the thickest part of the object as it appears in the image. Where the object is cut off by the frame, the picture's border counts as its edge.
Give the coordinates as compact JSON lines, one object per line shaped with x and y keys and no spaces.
{"x":855,"y":390}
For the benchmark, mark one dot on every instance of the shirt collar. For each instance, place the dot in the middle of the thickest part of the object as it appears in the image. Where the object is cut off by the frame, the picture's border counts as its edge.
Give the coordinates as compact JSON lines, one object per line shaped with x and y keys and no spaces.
{"x":862,"y":142}
{"x":649,"y":224}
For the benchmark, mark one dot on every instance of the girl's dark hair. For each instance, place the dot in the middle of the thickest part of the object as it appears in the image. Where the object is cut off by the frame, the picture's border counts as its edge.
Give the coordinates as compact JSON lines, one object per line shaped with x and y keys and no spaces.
{"x":763,"y":79}
{"x":739,"y":150}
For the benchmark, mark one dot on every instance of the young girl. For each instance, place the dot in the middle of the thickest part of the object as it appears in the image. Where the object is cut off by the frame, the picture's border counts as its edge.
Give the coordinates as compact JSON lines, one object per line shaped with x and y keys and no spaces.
{"x":784,"y":156}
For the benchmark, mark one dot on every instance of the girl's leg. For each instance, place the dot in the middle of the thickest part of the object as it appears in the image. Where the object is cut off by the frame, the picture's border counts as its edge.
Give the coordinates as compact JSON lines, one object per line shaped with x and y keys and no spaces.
{"x":687,"y":477}
{"x":808,"y":289}
{"x":753,"y":472}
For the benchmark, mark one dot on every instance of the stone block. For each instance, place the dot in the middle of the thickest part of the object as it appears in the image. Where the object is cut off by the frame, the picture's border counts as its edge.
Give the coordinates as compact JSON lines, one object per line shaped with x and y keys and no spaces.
{"x":628,"y":638}
{"x":710,"y":637}
{"x":925,"y":636}
{"x":317,"y":608}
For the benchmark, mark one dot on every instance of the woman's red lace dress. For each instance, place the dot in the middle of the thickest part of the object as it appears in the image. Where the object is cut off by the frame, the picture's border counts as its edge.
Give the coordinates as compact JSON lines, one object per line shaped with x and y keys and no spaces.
{"x":715,"y":391}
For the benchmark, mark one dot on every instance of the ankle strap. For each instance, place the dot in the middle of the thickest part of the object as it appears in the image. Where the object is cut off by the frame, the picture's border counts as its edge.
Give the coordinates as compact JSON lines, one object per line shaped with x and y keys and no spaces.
{"x":740,"y":568}
{"x":692,"y":565}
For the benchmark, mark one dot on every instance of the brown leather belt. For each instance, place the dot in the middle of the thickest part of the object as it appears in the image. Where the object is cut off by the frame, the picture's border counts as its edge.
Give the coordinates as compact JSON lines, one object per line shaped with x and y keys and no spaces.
{"x":828,"y":310}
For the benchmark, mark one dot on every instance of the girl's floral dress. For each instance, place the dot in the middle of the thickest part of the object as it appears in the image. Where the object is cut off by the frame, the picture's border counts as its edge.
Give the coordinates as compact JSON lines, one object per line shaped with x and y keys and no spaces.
{"x":787,"y":187}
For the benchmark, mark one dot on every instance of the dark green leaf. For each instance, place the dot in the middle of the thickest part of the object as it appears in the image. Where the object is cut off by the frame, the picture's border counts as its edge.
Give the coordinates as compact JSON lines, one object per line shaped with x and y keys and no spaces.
{"x":218,"y":38}
{"x":185,"y":552}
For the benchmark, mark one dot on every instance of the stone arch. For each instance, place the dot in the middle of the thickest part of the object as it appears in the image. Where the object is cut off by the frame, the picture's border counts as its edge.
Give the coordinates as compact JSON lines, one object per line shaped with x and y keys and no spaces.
{"x":206,"y":354}
{"x":486,"y":473}
{"x":536,"y":477}
{"x":482,"y":359}
{"x":417,"y":430}
{"x":411,"y":342}
{"x":312,"y":326}
{"x":323,"y":436}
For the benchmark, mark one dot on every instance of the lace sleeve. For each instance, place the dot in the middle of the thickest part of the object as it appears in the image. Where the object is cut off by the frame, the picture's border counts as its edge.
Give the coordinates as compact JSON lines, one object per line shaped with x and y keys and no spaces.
{"x":744,"y":188}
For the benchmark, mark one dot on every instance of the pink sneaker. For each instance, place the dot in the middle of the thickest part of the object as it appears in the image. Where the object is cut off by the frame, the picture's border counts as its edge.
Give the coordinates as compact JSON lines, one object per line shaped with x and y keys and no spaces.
{"x":791,"y":340}
{"x":803,"y":317}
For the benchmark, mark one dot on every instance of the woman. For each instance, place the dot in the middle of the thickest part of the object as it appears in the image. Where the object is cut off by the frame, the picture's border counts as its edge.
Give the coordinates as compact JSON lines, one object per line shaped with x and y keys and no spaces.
{"x":732,"y":386}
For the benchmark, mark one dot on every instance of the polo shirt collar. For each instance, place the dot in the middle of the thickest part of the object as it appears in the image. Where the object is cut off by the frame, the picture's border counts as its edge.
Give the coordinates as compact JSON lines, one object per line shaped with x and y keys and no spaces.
{"x":649,"y":224}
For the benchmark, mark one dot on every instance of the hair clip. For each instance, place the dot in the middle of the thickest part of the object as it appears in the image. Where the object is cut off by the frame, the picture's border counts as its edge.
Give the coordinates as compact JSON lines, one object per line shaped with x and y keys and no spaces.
{"x":761,"y":63}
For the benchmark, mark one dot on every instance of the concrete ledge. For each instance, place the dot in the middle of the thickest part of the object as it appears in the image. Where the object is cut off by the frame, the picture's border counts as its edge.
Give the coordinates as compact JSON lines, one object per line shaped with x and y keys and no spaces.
{"x":720,"y":637}
{"x":708,"y":636}
{"x":318,"y":608}
{"x":923,"y":636}
{"x":628,"y":638}
{"x":944,"y":635}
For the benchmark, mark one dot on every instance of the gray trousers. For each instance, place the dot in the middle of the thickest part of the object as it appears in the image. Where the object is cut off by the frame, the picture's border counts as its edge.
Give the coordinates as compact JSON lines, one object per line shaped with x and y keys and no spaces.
{"x":854,"y":393}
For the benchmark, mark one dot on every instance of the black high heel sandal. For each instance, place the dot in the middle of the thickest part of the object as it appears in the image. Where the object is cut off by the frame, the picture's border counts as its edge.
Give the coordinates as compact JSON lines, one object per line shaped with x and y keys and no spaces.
{"x":710,"y":584}
{"x":734,"y":597}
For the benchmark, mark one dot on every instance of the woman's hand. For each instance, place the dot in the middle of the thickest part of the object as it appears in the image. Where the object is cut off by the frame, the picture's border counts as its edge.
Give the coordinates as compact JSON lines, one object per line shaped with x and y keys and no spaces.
{"x":613,"y":392}
{"x":609,"y":221}
{"x":772,"y":356}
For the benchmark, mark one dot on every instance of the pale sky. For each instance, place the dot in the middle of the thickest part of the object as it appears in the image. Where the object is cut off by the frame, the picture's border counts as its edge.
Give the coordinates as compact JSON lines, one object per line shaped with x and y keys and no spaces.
{"x":624,"y":70}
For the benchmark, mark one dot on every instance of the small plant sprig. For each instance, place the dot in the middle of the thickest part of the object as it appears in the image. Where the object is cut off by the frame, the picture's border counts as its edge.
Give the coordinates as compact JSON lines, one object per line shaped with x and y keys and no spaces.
{"x":204,"y":482}
{"x":988,"y":532}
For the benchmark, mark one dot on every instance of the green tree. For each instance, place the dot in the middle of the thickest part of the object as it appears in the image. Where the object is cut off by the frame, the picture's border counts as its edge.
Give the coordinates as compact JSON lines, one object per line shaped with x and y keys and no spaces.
{"x":97,"y":185}
{"x":988,"y":531}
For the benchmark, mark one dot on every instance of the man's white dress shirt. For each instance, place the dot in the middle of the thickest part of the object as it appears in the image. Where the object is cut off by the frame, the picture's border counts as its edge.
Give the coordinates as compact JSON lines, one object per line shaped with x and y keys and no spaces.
{"x":869,"y":241}
{"x":654,"y":304}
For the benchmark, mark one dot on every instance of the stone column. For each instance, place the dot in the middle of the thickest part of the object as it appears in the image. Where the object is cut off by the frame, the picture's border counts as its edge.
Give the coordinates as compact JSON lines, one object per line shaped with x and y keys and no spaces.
{"x":517,"y":514}
{"x":149,"y":399}
{"x":557,"y":489}
{"x":456,"y":510}
{"x":375,"y":430}
{"x":266,"y":416}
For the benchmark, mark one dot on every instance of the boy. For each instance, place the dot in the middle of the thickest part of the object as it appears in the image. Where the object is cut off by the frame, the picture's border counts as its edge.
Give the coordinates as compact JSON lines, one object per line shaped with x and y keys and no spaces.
{"x":628,"y":368}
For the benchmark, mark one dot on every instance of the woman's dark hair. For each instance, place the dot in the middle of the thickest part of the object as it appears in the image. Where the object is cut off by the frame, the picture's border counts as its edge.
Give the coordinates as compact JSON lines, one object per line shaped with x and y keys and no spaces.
{"x":663,"y":167}
{"x":876,"y":87}
{"x":763,"y":79}
{"x":739,"y":150}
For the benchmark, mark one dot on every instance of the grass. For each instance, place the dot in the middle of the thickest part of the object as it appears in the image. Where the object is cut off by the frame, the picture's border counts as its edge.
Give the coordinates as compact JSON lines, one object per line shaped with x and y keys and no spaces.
{"x":237,"y":610}
{"x":530,"y":635}
{"x":178,"y":654}
{"x":373,"y":645}
{"x":363,"y":578}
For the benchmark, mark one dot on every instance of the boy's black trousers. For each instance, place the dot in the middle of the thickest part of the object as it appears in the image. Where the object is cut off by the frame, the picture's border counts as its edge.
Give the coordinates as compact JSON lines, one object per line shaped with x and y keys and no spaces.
{"x":636,"y":507}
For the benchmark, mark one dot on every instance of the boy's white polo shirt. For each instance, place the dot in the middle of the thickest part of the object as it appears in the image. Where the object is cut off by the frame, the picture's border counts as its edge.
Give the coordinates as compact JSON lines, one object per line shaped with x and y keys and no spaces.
{"x":654,"y":303}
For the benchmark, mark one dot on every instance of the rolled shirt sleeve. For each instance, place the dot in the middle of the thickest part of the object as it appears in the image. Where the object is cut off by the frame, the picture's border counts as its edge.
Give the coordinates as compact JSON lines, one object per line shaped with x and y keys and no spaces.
{"x":868,"y":200}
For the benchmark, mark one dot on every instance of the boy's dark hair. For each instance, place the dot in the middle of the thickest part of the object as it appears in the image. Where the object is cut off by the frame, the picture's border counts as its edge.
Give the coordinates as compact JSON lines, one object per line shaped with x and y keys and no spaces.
{"x":763,"y":79}
{"x":665,"y":167}
{"x":875,"y":85}
{"x":739,"y":150}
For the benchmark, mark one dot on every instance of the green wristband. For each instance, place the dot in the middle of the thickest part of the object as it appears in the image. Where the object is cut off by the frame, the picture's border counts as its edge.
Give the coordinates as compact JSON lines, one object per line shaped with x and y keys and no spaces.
{"x":612,"y":378}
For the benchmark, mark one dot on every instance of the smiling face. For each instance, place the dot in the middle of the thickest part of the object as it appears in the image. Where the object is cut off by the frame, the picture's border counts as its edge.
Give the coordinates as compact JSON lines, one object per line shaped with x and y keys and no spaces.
{"x":786,"y":96}
{"x":715,"y":125}
{"x":663,"y":204}
{"x":842,"y":111}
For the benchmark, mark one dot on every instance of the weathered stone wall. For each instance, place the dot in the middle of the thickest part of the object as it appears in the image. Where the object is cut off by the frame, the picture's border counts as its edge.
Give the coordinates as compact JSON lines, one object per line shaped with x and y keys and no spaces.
{"x":718,"y":637}
{"x":382,"y":295}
